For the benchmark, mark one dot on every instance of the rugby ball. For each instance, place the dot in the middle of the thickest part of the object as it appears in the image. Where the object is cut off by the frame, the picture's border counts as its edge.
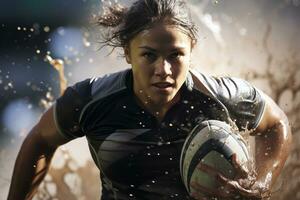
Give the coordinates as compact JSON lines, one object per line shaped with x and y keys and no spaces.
{"x":213,"y":143}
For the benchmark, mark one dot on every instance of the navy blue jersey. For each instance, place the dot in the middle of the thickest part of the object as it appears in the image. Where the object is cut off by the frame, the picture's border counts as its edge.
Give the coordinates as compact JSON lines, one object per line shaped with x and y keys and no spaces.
{"x":138,"y":156}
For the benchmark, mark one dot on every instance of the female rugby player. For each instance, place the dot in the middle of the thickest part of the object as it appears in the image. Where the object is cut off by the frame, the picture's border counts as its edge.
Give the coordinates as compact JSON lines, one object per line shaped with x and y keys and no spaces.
{"x":136,"y":120}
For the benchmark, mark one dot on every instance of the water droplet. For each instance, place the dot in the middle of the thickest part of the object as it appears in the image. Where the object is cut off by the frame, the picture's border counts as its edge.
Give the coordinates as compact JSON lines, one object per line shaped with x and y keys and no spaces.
{"x":86,"y":42}
{"x":10,"y":85}
{"x":46,"y":29}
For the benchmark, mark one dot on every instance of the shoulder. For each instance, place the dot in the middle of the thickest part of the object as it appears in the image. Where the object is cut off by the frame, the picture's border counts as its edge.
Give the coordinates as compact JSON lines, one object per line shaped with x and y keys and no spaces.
{"x":223,"y":87}
{"x":244,"y":102}
{"x":70,"y":106}
{"x":100,"y":86}
{"x":108,"y":84}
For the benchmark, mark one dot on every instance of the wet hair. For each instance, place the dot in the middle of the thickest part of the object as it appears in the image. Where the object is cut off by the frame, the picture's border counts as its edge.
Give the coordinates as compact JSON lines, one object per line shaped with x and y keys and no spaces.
{"x":120,"y":24}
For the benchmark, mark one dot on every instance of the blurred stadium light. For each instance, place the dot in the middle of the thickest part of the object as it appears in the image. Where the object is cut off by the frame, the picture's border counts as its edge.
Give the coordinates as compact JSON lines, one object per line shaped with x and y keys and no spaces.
{"x":19,"y":116}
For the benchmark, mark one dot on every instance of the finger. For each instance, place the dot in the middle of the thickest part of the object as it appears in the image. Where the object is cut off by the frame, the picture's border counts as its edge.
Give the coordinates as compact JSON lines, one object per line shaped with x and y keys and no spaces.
{"x":241,"y":170}
{"x":219,"y":177}
{"x":209,"y":170}
{"x":202,"y":189}
{"x":244,"y":192}
{"x":226,"y":185}
{"x":222,"y":180}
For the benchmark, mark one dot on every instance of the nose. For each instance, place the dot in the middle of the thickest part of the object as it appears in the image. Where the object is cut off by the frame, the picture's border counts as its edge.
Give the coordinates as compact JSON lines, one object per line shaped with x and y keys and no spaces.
{"x":163,"y":68}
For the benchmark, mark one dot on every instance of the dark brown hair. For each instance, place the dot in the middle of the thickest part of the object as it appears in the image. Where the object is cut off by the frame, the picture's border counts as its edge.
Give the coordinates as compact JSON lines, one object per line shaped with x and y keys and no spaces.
{"x":121,"y":24}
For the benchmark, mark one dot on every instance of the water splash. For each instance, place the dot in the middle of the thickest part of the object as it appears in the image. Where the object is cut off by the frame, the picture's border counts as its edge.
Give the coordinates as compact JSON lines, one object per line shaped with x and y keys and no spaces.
{"x":58,"y":64}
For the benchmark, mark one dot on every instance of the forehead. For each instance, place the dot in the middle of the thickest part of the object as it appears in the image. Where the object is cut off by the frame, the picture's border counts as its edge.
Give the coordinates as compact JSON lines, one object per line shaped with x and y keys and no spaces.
{"x":162,"y":37}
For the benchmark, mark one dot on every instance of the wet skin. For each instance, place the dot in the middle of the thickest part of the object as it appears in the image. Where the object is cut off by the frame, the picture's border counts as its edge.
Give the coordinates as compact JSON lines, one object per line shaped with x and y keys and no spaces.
{"x":160,"y":60}
{"x":273,"y":140}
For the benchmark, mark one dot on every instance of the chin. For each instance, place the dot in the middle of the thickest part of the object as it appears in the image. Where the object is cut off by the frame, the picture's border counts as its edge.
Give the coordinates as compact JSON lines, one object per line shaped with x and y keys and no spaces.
{"x":163,"y":100}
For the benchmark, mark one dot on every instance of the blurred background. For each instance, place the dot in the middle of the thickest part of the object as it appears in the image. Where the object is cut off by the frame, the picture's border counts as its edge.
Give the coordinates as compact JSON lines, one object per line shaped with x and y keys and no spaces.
{"x":255,"y":40}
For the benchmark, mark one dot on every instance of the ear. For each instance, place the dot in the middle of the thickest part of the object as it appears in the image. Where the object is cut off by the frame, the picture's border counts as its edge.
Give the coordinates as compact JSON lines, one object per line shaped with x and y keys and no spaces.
{"x":127,"y":54}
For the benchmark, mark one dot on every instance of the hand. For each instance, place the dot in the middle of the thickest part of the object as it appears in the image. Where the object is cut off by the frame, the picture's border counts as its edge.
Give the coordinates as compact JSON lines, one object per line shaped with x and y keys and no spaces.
{"x":244,"y":185}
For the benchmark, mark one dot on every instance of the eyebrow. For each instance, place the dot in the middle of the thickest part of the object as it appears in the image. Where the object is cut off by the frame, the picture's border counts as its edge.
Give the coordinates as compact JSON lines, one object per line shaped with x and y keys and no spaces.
{"x":147,"y":47}
{"x":152,"y":49}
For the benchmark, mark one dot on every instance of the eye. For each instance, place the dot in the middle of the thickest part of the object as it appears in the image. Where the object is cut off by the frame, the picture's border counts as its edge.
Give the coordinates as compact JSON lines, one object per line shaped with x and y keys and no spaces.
{"x":149,"y":56}
{"x":176,"y":55}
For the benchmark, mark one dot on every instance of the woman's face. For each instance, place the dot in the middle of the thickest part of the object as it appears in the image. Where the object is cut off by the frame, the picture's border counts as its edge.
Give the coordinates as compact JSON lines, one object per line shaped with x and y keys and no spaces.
{"x":160,"y":59}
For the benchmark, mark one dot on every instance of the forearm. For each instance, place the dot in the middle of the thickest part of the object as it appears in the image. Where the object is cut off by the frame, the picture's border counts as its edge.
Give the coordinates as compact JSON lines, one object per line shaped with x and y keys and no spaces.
{"x":30,"y":167}
{"x":272,"y":149}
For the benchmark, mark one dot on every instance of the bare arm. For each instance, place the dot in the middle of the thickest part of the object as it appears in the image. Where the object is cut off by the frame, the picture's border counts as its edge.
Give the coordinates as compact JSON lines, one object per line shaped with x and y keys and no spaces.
{"x":273,"y":141}
{"x":34,"y":158}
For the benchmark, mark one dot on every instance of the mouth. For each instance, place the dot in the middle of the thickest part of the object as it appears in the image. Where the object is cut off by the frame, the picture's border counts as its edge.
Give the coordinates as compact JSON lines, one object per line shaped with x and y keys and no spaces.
{"x":163,"y":85}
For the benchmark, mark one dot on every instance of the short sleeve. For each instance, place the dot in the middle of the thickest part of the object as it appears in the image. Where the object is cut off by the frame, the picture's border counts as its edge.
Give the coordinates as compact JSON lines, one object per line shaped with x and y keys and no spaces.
{"x":68,"y":108}
{"x":243,"y":101}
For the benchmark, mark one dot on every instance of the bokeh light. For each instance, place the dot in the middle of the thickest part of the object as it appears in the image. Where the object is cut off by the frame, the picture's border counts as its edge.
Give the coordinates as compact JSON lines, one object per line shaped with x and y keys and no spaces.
{"x":66,"y":42}
{"x":19,"y":116}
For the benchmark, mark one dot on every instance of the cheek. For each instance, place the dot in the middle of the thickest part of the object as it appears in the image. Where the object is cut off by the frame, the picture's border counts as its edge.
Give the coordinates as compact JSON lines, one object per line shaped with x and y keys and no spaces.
{"x":144,"y":70}
{"x":142,"y":75}
{"x":182,"y":71}
{"x":182,"y":67}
